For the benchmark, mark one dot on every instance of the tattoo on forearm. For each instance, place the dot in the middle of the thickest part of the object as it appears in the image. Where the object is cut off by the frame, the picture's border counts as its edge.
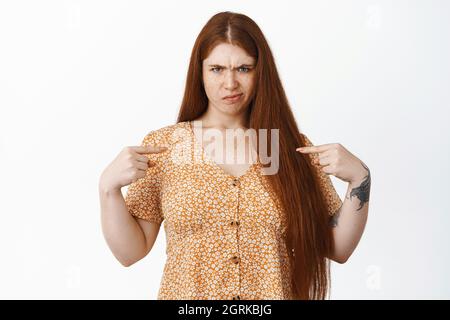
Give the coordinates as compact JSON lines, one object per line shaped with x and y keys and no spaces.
{"x":335,"y":217}
{"x":363,"y":191}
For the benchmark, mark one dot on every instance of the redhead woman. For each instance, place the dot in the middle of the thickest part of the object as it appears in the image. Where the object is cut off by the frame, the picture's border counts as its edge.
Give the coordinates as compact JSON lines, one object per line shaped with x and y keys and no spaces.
{"x":264,"y":226}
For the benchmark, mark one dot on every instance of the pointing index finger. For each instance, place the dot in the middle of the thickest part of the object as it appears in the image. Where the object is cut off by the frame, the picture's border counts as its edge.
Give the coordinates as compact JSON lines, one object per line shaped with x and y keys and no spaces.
{"x":149,"y":149}
{"x":314,"y":149}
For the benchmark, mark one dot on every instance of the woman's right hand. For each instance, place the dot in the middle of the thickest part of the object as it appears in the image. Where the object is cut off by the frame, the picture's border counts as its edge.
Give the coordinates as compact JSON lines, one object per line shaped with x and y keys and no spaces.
{"x":130,"y":165}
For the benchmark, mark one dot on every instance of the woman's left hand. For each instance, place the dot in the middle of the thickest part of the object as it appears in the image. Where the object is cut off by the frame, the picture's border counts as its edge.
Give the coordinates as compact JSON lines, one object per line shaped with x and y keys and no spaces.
{"x":336,"y":160}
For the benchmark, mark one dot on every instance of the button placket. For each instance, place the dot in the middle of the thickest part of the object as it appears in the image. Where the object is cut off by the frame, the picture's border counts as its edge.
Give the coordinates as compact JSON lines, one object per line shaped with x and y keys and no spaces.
{"x":235,"y":258}
{"x":236,"y":183}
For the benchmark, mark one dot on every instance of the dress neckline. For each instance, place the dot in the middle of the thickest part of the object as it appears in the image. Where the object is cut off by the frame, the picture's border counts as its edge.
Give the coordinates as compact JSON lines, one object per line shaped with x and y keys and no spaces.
{"x":199,"y":144}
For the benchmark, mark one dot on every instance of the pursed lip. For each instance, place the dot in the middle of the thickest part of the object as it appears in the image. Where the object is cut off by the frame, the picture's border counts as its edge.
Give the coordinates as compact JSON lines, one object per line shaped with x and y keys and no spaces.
{"x":232,"y":96}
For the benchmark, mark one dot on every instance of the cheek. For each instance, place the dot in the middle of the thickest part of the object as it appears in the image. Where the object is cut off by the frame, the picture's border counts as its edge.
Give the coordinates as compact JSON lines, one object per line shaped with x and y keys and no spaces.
{"x":248,"y":82}
{"x":212,"y":86}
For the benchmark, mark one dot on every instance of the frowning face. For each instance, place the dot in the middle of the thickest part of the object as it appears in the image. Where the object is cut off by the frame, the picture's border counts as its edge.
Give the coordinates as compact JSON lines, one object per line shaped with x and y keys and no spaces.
{"x":228,"y":71}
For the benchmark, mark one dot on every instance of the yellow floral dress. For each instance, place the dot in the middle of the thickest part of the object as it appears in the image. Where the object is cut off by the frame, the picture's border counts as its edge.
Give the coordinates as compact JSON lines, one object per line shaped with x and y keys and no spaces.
{"x":224,"y":234}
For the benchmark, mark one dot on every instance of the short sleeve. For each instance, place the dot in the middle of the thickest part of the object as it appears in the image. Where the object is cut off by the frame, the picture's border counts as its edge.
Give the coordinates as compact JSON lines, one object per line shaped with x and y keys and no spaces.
{"x":332,"y":198}
{"x":143,"y":198}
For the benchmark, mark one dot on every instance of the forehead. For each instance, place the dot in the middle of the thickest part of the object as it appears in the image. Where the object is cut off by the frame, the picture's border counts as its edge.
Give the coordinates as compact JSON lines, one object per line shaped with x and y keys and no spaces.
{"x":225,"y":53}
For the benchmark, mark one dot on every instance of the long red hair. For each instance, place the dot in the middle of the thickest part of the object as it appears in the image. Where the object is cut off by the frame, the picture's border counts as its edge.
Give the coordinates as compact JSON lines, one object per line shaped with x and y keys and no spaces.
{"x":296,"y":183}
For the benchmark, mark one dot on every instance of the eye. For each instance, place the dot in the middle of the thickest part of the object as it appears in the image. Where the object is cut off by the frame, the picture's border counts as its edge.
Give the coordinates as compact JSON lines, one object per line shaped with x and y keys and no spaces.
{"x":215,"y":68}
{"x":247,"y":69}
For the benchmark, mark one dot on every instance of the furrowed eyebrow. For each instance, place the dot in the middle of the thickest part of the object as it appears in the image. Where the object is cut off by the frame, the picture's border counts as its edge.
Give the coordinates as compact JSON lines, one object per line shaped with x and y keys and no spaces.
{"x":242,"y":65}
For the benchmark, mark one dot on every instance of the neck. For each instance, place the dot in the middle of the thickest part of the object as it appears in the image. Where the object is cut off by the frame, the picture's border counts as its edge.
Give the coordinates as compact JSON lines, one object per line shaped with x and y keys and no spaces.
{"x":212,"y":119}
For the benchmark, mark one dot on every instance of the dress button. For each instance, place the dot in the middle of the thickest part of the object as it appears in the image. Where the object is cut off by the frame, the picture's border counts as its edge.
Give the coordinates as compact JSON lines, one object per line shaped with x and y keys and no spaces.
{"x":236,"y":298}
{"x":235,"y":182}
{"x":235,"y":223}
{"x":235,"y":259}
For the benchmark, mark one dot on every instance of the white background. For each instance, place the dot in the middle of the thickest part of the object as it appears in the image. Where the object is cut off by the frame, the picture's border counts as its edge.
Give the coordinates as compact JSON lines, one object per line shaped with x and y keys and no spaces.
{"x":79,"y":80}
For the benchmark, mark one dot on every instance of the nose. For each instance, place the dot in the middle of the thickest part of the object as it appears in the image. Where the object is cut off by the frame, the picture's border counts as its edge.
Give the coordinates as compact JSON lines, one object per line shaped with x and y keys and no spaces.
{"x":230,"y":80}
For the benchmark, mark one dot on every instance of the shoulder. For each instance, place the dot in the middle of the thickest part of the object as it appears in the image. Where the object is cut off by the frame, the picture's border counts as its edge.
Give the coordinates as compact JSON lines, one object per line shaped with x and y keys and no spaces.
{"x":165,"y":135}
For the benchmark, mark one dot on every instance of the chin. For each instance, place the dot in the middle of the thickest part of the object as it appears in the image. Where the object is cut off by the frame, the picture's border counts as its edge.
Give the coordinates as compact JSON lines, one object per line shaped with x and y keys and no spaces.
{"x":233,"y":109}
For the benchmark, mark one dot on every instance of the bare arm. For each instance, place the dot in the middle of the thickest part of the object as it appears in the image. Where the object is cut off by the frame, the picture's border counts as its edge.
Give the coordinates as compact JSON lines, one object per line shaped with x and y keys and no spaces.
{"x":350,"y":220}
{"x":129,"y":238}
{"x":123,"y":233}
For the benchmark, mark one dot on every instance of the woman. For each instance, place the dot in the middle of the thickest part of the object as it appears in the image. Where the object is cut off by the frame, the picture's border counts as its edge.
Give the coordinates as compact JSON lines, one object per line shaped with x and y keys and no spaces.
{"x":235,"y":231}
